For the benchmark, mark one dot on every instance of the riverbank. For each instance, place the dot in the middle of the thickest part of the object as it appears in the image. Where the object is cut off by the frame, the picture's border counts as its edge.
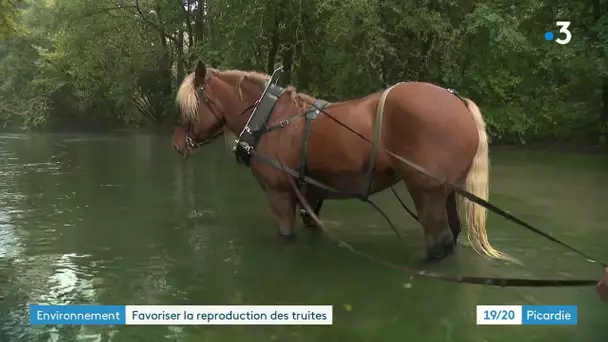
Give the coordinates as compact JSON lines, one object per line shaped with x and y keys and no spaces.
{"x":553,"y":147}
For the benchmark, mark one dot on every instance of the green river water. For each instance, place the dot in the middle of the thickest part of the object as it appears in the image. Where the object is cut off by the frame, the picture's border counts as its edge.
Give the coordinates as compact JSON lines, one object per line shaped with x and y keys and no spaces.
{"x":122,"y":219}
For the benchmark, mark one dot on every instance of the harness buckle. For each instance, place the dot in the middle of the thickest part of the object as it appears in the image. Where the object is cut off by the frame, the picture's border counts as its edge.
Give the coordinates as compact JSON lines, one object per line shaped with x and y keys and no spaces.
{"x":190,"y":142}
{"x":246,"y":147}
{"x":455,"y":93}
{"x":284,"y":123}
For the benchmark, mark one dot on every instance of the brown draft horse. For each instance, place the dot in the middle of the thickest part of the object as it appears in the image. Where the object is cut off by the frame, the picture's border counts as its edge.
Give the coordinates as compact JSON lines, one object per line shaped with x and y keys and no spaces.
{"x":422,"y":122}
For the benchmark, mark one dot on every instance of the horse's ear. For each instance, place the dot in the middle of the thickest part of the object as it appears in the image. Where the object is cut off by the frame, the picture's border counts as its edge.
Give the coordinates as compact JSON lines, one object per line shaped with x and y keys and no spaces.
{"x":201,"y":71}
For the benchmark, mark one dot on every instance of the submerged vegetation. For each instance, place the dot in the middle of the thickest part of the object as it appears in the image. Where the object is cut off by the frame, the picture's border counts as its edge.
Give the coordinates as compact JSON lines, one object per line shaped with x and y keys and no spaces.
{"x":115,"y":63}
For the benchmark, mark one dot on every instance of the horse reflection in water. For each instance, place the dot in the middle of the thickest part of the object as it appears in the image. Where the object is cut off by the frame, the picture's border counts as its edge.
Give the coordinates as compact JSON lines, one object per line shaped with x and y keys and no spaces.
{"x":420,"y":122}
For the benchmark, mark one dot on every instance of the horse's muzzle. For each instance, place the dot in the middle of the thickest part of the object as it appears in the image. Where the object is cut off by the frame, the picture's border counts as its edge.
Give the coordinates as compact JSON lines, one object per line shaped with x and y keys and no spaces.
{"x":181,"y":150}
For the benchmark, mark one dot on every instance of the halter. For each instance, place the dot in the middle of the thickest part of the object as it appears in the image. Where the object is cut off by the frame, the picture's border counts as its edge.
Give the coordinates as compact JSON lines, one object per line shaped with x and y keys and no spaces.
{"x":191,"y":142}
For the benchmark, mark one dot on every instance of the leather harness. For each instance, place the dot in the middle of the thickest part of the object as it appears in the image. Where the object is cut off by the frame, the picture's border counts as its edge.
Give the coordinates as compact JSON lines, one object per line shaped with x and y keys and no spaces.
{"x":256,"y":127}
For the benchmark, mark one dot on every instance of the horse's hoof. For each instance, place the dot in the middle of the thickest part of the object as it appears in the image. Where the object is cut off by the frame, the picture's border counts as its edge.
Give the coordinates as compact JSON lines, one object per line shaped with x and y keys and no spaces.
{"x":309,"y":223}
{"x":313,"y":228}
{"x":440,"y":252}
{"x":288,"y":239}
{"x":464,"y":242}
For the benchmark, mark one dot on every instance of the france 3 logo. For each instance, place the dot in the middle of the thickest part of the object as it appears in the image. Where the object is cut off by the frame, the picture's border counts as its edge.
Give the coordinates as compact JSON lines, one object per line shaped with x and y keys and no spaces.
{"x":563,"y":30}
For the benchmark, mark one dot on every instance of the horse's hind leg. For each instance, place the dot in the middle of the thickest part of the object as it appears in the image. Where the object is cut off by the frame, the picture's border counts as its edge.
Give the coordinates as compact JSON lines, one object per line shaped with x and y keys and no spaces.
{"x":283,"y":206}
{"x":309,"y":223}
{"x":432,"y":210}
{"x":453,"y":218}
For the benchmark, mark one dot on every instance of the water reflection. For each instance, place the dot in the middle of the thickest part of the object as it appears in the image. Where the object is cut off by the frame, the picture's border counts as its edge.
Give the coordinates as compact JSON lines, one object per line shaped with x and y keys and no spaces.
{"x":10,"y":244}
{"x":123,"y":220}
{"x":67,"y":282}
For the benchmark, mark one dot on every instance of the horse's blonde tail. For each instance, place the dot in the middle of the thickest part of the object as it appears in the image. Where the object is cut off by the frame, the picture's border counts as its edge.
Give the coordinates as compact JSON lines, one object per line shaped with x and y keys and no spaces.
{"x":477,"y":183}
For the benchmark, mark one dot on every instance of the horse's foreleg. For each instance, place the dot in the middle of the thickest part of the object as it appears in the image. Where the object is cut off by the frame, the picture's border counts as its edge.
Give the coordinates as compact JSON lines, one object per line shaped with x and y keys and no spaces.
{"x":283,"y":206}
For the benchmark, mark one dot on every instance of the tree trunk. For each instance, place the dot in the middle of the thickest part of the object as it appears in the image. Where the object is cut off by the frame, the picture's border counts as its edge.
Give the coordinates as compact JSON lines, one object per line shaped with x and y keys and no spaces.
{"x":188,"y":19}
{"x":274,"y":44}
{"x":164,"y":60}
{"x":199,"y":21}
{"x":287,"y":64}
{"x":597,"y":15}
{"x":209,"y":17}
{"x":179,"y":60}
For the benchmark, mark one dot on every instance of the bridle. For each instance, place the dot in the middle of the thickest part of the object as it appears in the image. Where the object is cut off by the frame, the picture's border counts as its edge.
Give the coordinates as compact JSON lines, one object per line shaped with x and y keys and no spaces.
{"x":191,"y":141}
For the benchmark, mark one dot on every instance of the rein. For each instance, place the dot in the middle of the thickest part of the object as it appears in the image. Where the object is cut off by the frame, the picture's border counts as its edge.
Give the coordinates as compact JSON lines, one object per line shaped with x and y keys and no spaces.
{"x":502,"y":282}
{"x":493,"y":281}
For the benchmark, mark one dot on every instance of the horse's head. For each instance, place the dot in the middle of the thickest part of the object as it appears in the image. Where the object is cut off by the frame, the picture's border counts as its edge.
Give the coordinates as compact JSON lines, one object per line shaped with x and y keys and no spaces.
{"x":202,"y":114}
{"x":210,"y":100}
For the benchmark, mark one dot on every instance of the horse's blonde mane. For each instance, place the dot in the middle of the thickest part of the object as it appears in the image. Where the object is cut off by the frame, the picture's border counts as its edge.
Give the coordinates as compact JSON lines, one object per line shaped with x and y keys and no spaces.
{"x":188,"y":101}
{"x":300,"y":99}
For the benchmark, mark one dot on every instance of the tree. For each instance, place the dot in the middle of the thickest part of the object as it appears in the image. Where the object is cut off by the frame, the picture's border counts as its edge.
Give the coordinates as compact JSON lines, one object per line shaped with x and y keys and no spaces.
{"x":8,"y":13}
{"x":117,"y":62}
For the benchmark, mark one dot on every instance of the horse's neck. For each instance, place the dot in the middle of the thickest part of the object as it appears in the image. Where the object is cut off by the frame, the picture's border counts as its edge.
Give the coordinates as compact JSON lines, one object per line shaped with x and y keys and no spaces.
{"x":236,"y":116}
{"x":237,"y":119}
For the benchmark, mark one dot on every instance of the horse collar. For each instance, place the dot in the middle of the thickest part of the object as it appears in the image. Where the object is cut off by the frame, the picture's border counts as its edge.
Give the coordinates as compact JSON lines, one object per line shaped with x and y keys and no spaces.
{"x":256,"y":126}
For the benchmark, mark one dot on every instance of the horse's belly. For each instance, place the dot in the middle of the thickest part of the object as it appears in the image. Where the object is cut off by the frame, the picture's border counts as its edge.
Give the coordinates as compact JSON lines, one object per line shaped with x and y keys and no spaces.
{"x":355,"y":183}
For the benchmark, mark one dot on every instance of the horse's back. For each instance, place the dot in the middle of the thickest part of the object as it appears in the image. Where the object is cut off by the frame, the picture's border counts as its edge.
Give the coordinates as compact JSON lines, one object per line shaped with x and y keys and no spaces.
{"x":429,"y":105}
{"x":421,"y":122}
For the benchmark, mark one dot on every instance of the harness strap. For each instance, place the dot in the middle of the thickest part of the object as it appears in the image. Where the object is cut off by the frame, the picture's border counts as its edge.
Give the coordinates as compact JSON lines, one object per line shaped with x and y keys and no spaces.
{"x":472,"y":197}
{"x":310,"y":115}
{"x":256,"y":125}
{"x":455,"y":93}
{"x":296,"y":175}
{"x":502,"y":282}
{"x":286,"y":122}
{"x":320,"y":185}
{"x":377,"y":132}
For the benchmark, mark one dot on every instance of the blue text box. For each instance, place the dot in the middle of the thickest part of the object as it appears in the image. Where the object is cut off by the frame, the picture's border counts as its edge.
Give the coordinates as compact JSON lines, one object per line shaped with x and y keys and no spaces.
{"x":77,"y":314}
{"x":549,"y":315}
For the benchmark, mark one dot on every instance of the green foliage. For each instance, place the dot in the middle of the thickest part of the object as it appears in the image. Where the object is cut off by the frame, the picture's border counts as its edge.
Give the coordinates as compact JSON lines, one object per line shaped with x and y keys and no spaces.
{"x":108,"y":62}
{"x":8,"y":14}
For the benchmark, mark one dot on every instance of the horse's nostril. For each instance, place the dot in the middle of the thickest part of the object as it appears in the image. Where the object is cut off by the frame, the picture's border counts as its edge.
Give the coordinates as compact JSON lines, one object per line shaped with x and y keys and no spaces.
{"x":178,"y":150}
{"x":181,"y":151}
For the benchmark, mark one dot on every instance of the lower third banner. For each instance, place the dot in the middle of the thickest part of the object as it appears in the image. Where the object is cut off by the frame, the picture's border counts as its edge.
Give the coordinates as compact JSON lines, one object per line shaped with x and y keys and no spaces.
{"x":181,"y":314}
